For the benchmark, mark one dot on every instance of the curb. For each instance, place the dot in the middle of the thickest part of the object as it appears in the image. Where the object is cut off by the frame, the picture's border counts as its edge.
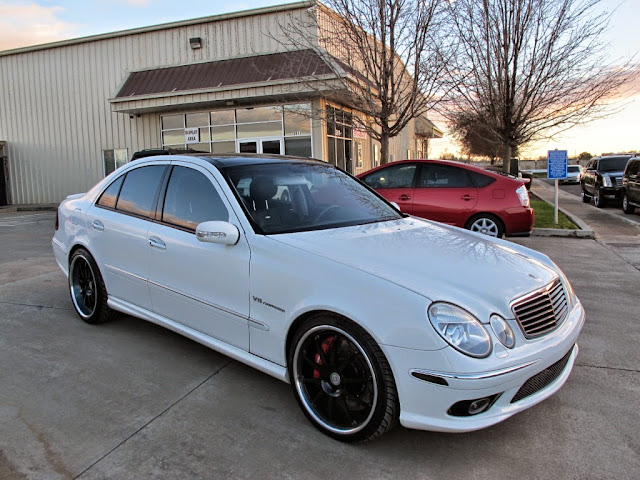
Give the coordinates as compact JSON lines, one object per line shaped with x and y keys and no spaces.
{"x":584,"y":230}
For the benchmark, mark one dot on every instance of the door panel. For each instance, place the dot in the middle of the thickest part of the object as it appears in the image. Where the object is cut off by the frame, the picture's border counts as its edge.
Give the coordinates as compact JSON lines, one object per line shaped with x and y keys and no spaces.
{"x":119,"y":244}
{"x":444,"y":193}
{"x":204,"y":286}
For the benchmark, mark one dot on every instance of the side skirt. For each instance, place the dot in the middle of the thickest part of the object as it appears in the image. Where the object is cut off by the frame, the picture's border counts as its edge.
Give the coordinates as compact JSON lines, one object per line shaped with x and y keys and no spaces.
{"x":238,"y":354}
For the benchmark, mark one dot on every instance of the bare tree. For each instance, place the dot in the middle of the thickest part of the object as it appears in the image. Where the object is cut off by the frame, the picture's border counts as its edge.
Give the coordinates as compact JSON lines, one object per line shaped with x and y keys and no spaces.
{"x":476,"y":138}
{"x":529,"y":69}
{"x":387,"y":57}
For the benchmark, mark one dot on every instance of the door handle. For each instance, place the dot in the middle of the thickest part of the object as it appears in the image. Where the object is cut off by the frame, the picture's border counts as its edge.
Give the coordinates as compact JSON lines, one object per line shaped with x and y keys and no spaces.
{"x":404,"y":196}
{"x":466,"y":198}
{"x":97,"y":225}
{"x":157,"y":243}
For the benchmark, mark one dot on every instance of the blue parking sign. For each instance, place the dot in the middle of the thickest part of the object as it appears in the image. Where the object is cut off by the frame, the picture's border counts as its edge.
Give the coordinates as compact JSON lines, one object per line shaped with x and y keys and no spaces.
{"x":556,"y":164}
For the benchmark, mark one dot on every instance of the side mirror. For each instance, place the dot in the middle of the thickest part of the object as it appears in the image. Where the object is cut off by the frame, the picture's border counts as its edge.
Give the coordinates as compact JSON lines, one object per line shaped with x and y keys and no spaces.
{"x":218,"y":232}
{"x":396,"y":206}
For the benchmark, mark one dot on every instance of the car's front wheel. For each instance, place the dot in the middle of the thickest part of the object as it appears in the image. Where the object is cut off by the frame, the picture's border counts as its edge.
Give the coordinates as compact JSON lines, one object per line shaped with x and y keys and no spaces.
{"x":598,"y":198}
{"x":342,"y":380}
{"x":88,"y":292}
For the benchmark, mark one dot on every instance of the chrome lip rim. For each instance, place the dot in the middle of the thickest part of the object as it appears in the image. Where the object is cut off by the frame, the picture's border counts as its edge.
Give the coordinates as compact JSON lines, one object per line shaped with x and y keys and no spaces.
{"x":77,"y":288}
{"x":297,"y":378}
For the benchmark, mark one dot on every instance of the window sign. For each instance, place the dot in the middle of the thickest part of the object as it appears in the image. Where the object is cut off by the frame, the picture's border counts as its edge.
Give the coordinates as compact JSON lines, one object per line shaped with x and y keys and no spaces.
{"x":192,"y":135}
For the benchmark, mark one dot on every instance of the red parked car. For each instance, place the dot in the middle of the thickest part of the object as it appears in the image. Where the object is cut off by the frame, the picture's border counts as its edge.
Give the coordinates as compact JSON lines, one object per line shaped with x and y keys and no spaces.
{"x":457,"y":194}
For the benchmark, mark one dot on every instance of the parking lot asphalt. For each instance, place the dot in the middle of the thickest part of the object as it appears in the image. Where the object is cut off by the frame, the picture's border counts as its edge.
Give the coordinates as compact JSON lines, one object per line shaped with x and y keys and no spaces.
{"x":129,"y":400}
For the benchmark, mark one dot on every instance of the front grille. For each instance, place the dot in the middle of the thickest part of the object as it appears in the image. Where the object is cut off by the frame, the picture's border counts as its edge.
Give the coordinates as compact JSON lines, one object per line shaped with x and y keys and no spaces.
{"x":542,"y":379}
{"x":542,"y":311}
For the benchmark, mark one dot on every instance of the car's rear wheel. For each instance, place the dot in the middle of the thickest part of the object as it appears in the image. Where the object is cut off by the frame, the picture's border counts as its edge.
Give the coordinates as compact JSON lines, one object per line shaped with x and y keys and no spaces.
{"x":342,"y":380}
{"x":88,"y":292}
{"x":598,"y":198}
{"x":626,"y":207}
{"x":487,"y":224}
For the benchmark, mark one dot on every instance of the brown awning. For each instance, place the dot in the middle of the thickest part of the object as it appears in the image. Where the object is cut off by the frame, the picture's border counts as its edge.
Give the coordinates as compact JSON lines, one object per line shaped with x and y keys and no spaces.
{"x":238,"y":71}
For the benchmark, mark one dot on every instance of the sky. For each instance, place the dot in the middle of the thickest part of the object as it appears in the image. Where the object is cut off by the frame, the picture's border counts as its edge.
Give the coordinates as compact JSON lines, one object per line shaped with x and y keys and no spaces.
{"x":31,"y":22}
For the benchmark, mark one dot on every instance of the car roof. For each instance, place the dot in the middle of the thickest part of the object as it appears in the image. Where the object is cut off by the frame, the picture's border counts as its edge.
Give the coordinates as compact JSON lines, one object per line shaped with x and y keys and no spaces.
{"x":222,"y":161}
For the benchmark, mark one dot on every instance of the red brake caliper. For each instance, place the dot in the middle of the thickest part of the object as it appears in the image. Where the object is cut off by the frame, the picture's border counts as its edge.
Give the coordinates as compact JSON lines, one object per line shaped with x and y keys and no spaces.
{"x":326,"y":345}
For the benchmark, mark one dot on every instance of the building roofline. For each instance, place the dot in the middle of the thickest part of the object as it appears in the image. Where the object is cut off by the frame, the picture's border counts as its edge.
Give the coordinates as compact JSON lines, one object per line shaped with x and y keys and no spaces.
{"x":162,"y":26}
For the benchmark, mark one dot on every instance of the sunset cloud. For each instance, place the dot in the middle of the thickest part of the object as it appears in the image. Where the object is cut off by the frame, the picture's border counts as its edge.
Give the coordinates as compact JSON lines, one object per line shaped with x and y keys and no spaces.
{"x":23,"y":24}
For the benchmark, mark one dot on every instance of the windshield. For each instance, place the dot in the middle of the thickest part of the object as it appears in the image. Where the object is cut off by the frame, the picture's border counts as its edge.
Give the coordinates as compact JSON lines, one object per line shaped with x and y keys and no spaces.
{"x":292,"y":197}
{"x":613,"y":164}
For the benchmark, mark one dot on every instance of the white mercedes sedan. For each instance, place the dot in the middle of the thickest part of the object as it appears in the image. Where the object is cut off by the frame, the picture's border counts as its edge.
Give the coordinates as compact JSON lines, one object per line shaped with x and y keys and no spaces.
{"x":299,"y":270}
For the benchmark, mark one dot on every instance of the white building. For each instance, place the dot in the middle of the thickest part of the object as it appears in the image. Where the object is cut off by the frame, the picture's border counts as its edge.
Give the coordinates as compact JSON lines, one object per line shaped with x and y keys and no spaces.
{"x":72,"y":111}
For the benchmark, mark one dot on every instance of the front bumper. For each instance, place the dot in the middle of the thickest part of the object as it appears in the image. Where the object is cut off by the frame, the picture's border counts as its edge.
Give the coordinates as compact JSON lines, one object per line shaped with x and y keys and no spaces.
{"x":521,"y":378}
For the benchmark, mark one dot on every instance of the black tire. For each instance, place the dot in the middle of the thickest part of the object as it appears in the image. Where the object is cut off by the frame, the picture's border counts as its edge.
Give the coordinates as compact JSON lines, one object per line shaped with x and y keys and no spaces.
{"x":598,"y":198}
{"x":487,"y":224}
{"x":626,"y":207}
{"x":586,"y":198}
{"x":87,"y":289}
{"x":342,"y":380}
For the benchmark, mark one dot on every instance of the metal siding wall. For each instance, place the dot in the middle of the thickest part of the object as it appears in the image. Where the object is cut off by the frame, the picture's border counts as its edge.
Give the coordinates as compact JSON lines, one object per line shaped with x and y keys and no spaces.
{"x":55,"y":113}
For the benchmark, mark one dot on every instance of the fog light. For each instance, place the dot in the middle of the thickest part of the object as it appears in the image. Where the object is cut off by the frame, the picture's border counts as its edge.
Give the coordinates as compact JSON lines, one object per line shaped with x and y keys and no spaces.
{"x":479,"y":406}
{"x":468,"y":408}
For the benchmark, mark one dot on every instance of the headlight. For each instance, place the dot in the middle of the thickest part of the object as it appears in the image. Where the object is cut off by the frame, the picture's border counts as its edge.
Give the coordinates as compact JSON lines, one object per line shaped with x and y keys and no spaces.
{"x":606,"y":181}
{"x":460,"y":329}
{"x":502,"y":330}
{"x":571,"y":295}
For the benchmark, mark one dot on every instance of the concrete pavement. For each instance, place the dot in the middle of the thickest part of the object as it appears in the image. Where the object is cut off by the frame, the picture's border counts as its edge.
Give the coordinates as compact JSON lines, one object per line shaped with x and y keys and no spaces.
{"x":129,"y":400}
{"x":611,"y":228}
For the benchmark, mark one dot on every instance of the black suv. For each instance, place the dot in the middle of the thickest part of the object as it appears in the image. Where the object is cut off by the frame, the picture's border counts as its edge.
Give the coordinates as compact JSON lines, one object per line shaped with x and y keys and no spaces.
{"x":603,"y":178}
{"x":631,"y":186}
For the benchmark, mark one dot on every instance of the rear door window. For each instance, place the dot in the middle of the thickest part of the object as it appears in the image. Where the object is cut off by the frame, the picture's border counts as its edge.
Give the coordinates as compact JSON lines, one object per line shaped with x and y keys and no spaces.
{"x":443,"y":176}
{"x":139,"y":191}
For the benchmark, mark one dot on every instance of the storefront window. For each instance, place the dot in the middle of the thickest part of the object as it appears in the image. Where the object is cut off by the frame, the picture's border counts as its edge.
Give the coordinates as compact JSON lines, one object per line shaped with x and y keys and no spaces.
{"x":265,"y":129}
{"x":298,"y":146}
{"x":223,"y":117}
{"x":297,"y":120}
{"x":113,"y":159}
{"x":259,"y":114}
{"x":226,"y":131}
{"x":340,"y":138}
{"x":172,"y":121}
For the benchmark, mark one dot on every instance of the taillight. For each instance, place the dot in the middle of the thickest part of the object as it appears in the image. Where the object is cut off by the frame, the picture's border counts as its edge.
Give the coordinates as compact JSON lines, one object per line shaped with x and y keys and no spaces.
{"x":523,"y":195}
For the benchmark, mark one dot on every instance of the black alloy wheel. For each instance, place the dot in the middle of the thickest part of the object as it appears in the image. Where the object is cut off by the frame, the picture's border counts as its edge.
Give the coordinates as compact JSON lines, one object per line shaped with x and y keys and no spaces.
{"x":88,"y":292}
{"x":342,"y":380}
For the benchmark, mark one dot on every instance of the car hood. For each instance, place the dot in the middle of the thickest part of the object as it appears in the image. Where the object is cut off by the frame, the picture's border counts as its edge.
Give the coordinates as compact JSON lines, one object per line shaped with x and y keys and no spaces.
{"x":439,"y":262}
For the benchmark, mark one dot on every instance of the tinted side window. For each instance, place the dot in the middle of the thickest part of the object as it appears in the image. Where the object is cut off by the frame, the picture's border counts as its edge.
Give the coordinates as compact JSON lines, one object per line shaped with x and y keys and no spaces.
{"x":633,"y":167}
{"x":110,"y":195}
{"x":396,"y":176}
{"x":480,"y":180}
{"x":139,"y":190}
{"x":191,"y":199}
{"x":444,"y":176}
